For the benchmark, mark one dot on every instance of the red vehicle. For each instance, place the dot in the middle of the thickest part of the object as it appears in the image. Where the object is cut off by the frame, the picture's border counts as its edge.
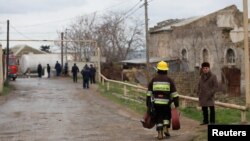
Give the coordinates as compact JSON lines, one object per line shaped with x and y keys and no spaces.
{"x":12,"y":69}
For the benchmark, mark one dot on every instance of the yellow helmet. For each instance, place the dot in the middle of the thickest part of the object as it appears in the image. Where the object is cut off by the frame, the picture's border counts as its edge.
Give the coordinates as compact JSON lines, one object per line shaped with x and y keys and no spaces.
{"x":162,"y":66}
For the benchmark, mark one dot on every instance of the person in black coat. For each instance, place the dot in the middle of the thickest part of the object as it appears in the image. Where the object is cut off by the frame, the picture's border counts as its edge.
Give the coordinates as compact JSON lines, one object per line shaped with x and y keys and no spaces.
{"x":92,"y":74}
{"x":74,"y":71}
{"x":39,"y":70}
{"x":85,"y":76}
{"x":58,"y":68}
{"x":48,"y":70}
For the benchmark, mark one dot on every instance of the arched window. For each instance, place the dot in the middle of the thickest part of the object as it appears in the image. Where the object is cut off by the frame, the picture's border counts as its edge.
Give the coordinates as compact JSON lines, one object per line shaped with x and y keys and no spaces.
{"x":184,"y":54}
{"x":205,"y":55}
{"x":230,"y":56}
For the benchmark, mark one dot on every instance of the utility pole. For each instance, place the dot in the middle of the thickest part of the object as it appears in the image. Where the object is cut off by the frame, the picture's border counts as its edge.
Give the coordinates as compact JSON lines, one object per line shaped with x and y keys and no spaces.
{"x":62,"y":49}
{"x":1,"y":69}
{"x":7,"y":51}
{"x":246,"y":49}
{"x":99,"y":64}
{"x":66,"y":47}
{"x":147,"y":40}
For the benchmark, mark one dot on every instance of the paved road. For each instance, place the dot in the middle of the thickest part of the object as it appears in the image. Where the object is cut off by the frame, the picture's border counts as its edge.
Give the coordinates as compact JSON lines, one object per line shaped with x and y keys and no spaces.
{"x":59,"y":110}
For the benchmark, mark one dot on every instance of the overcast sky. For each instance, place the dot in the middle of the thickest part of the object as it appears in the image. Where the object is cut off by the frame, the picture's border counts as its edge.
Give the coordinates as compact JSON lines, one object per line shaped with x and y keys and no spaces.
{"x":42,"y":19}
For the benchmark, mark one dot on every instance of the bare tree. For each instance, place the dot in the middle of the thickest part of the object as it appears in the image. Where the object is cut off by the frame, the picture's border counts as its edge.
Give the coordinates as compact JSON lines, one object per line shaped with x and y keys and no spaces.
{"x":82,"y":29}
{"x":215,"y":34}
{"x":45,"y":48}
{"x":115,"y":35}
{"x":118,"y":37}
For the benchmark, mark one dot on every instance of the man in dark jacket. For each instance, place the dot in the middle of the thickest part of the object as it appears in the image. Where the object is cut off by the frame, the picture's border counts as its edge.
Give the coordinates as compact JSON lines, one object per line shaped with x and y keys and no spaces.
{"x":66,"y":69}
{"x":74,"y":71}
{"x":92,"y":74}
{"x":39,"y":70}
{"x":58,"y":68}
{"x":161,"y":93}
{"x":48,"y":70}
{"x":85,"y":76}
{"x":207,"y":87}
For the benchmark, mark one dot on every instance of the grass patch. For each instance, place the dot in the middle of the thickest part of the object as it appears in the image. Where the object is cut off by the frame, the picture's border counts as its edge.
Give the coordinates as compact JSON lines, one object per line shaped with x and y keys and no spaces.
{"x":192,"y":113}
{"x":201,"y":136}
{"x":115,"y":95}
{"x":223,"y":115}
{"x":6,"y":89}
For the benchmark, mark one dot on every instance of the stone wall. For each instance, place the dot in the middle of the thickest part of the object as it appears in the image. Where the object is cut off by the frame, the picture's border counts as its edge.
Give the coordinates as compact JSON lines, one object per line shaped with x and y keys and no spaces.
{"x":206,"y":38}
{"x":186,"y":82}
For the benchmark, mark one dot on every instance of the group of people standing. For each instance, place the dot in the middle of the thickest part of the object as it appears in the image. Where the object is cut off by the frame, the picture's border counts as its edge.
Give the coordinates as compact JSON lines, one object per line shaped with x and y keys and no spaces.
{"x":88,"y":74}
{"x":40,"y":69}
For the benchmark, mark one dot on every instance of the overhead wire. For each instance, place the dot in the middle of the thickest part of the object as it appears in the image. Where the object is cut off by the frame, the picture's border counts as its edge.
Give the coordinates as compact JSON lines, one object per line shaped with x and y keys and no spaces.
{"x":128,"y":13}
{"x":32,"y":33}
{"x":68,"y":19}
{"x":11,"y":26}
{"x":115,"y":5}
{"x":133,"y":7}
{"x":60,"y":20}
{"x":131,"y":11}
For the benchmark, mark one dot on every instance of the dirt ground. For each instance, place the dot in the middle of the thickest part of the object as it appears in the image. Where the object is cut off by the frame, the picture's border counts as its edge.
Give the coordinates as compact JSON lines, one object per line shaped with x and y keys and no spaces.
{"x":57,"y":109}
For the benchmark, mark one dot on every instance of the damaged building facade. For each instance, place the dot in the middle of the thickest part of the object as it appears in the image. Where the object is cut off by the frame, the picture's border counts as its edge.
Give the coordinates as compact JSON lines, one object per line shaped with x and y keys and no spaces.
{"x":216,"y":38}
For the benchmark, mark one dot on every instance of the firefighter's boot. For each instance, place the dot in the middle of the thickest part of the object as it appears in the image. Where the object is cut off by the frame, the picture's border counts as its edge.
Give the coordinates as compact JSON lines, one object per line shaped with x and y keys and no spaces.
{"x":159,"y":129}
{"x":165,"y":128}
{"x":160,"y":135}
{"x":166,"y":131}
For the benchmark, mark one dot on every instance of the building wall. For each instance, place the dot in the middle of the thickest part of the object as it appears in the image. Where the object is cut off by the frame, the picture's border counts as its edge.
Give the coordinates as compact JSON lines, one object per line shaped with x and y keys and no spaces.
{"x":211,"y":34}
{"x":186,"y":83}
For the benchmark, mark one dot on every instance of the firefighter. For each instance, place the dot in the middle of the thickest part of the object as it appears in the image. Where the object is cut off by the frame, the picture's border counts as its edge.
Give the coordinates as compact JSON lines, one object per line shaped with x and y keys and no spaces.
{"x":160,"y":96}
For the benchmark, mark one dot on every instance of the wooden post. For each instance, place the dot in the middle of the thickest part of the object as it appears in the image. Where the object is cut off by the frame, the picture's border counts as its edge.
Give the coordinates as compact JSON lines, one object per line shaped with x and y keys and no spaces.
{"x":147,"y":40}
{"x":1,"y":69}
{"x":108,"y":86}
{"x":183,"y":103}
{"x":62,"y":52}
{"x":243,"y":116}
{"x":7,"y":51}
{"x":246,"y":50}
{"x":125,"y":90}
{"x":99,"y":64}
{"x":103,"y":81}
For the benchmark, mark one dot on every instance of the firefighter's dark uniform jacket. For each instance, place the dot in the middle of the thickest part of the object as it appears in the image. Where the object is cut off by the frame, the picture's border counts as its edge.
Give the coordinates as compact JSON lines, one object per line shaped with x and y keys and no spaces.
{"x":161,"y":93}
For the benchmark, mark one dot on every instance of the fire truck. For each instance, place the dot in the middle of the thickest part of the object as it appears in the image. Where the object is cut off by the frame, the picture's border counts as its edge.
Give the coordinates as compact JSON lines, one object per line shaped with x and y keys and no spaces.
{"x":12,"y":68}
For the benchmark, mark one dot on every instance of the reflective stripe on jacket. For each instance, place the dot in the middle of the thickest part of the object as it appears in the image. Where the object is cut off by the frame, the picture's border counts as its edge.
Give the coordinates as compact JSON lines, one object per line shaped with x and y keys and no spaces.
{"x":162,"y":89}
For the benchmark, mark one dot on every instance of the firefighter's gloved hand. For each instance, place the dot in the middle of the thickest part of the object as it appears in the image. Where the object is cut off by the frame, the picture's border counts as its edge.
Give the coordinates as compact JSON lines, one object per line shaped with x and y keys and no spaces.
{"x":148,"y":109}
{"x":173,"y":105}
{"x":151,"y":111}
